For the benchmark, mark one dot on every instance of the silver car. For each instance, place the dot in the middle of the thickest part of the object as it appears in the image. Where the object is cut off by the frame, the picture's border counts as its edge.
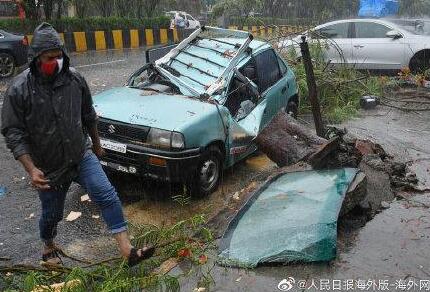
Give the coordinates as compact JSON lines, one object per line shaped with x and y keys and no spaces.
{"x":373,"y":44}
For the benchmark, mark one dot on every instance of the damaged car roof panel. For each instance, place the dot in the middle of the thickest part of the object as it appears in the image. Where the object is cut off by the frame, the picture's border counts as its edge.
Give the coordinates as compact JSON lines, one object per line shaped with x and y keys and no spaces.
{"x":208,"y":55}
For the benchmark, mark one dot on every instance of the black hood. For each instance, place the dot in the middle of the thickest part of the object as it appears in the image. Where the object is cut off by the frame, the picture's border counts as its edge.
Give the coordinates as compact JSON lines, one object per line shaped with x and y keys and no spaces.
{"x":45,"y":38}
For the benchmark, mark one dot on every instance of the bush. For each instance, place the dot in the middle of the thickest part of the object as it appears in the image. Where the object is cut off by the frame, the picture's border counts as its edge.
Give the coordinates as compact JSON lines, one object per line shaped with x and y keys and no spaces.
{"x":69,"y":24}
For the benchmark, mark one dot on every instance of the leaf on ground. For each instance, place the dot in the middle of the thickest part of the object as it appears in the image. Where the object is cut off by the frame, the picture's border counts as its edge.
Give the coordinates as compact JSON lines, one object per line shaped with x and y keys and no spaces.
{"x":73,"y":216}
{"x":64,"y":286}
{"x":85,"y":198}
{"x":166,"y":266}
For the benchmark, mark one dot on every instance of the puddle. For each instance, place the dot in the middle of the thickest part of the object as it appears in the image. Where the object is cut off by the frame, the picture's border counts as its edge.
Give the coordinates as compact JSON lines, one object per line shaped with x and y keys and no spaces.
{"x":149,"y":202}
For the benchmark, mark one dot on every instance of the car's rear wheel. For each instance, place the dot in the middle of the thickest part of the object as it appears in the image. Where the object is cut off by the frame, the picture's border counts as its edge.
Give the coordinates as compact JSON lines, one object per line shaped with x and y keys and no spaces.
{"x":292,"y":109}
{"x":7,"y":65}
{"x":208,"y":174}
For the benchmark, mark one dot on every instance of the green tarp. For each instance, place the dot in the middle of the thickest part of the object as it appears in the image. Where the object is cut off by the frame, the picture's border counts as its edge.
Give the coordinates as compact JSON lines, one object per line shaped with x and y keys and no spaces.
{"x":292,"y":218}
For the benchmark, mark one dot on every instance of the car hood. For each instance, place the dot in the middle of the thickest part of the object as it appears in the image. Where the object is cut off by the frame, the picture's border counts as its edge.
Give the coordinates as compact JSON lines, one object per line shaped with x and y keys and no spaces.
{"x":139,"y":107}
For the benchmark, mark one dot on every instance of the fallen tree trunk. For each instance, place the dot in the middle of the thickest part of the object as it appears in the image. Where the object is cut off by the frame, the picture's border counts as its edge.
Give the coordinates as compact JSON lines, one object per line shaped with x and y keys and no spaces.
{"x":286,"y":142}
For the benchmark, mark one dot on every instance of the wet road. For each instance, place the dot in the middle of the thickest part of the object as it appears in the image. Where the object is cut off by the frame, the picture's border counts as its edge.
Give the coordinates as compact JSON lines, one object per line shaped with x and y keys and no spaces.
{"x":393,"y":246}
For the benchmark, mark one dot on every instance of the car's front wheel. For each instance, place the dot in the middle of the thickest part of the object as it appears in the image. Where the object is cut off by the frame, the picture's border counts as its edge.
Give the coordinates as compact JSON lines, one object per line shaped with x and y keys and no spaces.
{"x":208,"y":174}
{"x":420,"y":62}
{"x":7,"y":65}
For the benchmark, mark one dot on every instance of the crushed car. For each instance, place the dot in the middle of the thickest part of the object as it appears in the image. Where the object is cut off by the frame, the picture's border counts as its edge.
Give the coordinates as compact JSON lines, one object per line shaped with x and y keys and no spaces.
{"x":197,"y":110}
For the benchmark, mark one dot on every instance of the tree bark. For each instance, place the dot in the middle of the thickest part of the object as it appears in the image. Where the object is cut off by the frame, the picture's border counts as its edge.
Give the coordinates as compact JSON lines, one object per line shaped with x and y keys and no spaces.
{"x":286,"y":142}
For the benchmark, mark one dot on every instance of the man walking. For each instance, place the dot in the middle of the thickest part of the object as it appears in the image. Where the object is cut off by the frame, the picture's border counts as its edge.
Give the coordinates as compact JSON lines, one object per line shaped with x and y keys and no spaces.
{"x":47,"y":117}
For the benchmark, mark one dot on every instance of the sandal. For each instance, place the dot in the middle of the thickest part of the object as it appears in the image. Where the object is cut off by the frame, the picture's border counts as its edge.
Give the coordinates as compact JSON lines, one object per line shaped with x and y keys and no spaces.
{"x":135,"y":259}
{"x":54,"y":254}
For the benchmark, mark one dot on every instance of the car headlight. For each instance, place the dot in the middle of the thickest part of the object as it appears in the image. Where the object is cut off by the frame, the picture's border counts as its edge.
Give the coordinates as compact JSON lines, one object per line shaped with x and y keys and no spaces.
{"x":178,"y":140}
{"x":165,"y":139}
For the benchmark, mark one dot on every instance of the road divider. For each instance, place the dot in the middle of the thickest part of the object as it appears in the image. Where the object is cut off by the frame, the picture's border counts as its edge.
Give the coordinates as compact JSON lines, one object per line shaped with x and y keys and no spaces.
{"x":82,"y":41}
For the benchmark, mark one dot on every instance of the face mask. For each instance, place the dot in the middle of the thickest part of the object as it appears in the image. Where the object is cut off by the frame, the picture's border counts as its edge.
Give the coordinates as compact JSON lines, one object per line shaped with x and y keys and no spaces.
{"x":48,"y":68}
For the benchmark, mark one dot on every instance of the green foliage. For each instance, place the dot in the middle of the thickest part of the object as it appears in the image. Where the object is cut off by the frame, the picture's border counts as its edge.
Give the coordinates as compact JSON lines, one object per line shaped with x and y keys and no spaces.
{"x":186,"y":240}
{"x":339,"y":89}
{"x":70,"y":24}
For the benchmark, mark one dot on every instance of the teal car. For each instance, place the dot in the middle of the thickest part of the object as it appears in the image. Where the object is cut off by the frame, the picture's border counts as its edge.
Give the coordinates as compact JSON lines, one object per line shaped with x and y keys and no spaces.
{"x":197,"y":110}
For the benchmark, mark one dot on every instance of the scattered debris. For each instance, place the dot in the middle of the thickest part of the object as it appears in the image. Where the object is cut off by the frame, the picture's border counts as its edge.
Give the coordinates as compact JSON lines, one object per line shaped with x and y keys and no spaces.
{"x":201,"y":289}
{"x":3,"y":191}
{"x":369,"y":102}
{"x":85,"y":198}
{"x":95,"y":216}
{"x":73,"y":216}
{"x":385,"y":205}
{"x":31,"y":216}
{"x":236,"y":196}
{"x":238,"y":279}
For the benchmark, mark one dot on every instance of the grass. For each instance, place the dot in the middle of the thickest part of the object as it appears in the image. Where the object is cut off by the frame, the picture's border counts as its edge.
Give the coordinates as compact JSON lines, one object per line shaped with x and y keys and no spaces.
{"x":187,"y":240}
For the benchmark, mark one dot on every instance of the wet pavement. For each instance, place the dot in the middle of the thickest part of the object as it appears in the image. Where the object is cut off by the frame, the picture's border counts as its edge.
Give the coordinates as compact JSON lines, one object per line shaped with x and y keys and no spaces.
{"x":392,"y":246}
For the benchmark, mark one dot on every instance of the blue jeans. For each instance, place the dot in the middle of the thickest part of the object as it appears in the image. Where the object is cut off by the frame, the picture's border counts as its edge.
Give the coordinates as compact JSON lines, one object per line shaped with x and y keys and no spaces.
{"x":93,"y":179}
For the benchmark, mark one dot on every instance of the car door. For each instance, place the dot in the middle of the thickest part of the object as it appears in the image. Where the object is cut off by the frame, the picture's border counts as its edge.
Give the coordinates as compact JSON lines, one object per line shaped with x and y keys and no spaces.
{"x":373,"y":50}
{"x":337,"y":39}
{"x":271,"y":84}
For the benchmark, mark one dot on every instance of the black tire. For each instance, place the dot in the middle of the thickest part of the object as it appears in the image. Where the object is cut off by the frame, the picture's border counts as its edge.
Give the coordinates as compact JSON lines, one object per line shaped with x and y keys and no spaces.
{"x":208,"y":174}
{"x":420,"y":62}
{"x":292,"y":109}
{"x":7,"y":65}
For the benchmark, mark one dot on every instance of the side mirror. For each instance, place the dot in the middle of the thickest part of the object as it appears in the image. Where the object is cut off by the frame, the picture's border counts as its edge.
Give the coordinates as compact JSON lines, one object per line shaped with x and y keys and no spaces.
{"x":394,"y":34}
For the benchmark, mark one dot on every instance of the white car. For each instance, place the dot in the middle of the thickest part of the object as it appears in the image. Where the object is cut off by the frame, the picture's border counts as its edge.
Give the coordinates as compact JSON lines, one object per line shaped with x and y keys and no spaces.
{"x":181,"y":19}
{"x":373,"y":44}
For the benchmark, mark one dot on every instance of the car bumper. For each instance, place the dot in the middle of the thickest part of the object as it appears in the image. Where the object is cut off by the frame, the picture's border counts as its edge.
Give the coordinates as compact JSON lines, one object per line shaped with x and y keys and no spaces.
{"x":171,"y":166}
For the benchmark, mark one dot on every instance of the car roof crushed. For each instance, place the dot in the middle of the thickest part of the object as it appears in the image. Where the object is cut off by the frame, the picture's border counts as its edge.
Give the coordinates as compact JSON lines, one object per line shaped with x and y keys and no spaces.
{"x":203,"y":60}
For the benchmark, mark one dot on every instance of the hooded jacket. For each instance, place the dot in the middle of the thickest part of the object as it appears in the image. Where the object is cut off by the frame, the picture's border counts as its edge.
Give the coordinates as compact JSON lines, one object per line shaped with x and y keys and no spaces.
{"x":49,"y":119}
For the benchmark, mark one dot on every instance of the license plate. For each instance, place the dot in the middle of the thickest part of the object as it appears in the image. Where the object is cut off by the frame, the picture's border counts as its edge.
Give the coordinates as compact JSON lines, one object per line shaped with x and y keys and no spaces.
{"x":114,"y":146}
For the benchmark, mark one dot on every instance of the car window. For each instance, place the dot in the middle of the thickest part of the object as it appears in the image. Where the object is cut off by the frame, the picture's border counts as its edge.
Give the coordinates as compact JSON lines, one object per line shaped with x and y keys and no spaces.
{"x":189,"y":17}
{"x":334,"y":31}
{"x":370,"y":30}
{"x":282,"y":67}
{"x":268,"y":72}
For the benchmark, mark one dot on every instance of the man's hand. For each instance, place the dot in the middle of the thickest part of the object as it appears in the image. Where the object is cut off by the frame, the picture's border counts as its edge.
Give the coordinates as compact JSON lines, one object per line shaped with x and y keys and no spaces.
{"x":38,"y":179}
{"x":98,"y":150}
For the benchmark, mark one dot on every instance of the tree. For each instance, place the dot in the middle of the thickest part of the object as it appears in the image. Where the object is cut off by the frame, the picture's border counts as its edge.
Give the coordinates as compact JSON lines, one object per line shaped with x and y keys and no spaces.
{"x":105,"y":7}
{"x":414,"y":7}
{"x":149,"y":7}
{"x":239,"y":8}
{"x":31,"y":8}
{"x":81,"y":7}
